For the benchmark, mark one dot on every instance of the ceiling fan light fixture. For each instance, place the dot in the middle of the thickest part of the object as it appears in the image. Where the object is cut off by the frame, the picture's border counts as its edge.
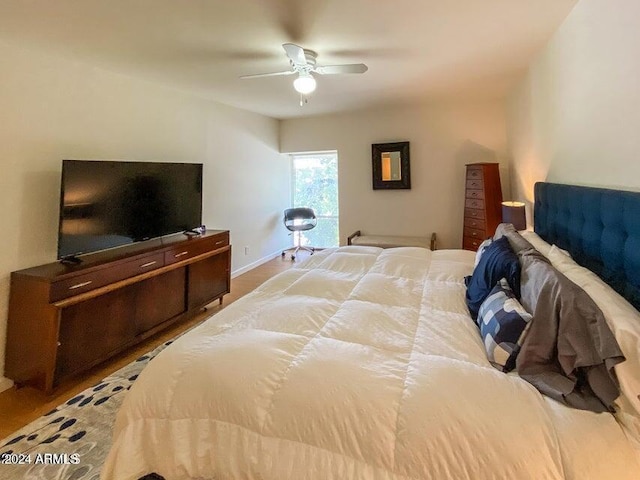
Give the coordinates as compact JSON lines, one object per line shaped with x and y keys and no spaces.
{"x":305,"y":83}
{"x":303,"y":64}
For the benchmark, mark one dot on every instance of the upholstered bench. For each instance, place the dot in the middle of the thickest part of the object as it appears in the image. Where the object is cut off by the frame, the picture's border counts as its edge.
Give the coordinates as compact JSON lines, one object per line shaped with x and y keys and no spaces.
{"x":390,"y":241}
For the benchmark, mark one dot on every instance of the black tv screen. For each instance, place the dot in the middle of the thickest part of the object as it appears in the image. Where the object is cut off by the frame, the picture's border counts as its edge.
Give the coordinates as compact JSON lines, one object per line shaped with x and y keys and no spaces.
{"x":105,"y":204}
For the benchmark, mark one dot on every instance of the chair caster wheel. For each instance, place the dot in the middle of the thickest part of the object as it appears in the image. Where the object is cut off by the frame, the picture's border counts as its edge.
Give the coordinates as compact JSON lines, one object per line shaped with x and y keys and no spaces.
{"x":283,"y":254}
{"x":293,"y":258}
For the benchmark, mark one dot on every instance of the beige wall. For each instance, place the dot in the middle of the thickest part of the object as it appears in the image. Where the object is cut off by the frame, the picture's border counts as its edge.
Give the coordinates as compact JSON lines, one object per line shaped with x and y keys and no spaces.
{"x":443,"y":138}
{"x":575,"y":118}
{"x":51,"y":109}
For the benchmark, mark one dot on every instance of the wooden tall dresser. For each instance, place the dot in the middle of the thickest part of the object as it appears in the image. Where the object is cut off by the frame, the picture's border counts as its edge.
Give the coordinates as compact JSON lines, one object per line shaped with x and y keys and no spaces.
{"x":482,"y":204}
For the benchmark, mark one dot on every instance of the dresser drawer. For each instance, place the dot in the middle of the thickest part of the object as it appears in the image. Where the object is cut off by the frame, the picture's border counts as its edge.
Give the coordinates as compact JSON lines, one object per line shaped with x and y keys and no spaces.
{"x":471,"y":243}
{"x":475,"y":184}
{"x":475,"y":233}
{"x":474,"y":173}
{"x":475,"y":223}
{"x":473,"y":213}
{"x":475,"y":194}
{"x":474,"y":203}
{"x":100,"y":278}
{"x":196,"y":247}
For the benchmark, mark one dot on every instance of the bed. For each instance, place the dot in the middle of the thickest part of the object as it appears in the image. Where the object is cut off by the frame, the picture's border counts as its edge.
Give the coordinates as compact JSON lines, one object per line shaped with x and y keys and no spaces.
{"x":359,"y":363}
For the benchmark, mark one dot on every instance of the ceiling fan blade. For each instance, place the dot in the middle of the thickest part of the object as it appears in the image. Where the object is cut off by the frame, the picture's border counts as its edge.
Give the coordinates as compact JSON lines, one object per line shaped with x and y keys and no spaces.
{"x":274,"y":74}
{"x":337,"y":69}
{"x":295,"y":53}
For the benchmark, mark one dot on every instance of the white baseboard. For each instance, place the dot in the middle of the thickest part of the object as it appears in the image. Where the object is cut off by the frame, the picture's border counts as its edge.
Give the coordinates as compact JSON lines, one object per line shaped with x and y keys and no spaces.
{"x":5,"y":384}
{"x":257,"y":263}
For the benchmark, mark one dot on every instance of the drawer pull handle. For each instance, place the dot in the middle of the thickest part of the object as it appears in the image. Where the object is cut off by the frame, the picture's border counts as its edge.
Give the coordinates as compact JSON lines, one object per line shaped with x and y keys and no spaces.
{"x":181,"y":254}
{"x":148,"y":264}
{"x":474,"y":234}
{"x":59,"y":344}
{"x":80,"y":285}
{"x":475,"y":244}
{"x":221,"y":241}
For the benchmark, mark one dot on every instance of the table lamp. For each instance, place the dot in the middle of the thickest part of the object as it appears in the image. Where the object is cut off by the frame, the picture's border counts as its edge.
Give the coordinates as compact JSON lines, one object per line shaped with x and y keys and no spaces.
{"x":513,"y":212}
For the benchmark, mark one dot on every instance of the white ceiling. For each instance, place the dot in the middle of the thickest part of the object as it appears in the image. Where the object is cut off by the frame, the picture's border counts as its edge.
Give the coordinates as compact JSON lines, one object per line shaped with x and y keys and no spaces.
{"x":415,"y":49}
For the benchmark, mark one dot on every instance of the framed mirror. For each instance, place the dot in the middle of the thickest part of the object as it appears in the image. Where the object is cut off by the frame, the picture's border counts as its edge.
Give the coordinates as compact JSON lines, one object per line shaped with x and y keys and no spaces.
{"x":390,"y":165}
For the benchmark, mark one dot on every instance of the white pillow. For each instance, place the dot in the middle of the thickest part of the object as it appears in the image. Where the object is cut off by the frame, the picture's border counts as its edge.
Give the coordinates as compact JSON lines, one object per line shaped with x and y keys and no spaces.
{"x":539,"y":244}
{"x":624,"y":322}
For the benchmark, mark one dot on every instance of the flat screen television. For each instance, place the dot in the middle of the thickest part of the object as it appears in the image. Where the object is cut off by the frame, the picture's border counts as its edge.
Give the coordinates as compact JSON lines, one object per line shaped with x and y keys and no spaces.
{"x":105,"y":204}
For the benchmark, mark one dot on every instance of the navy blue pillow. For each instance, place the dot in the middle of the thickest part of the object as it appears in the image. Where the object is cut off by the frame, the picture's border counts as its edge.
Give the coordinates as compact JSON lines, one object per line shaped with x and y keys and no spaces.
{"x":498,"y":261}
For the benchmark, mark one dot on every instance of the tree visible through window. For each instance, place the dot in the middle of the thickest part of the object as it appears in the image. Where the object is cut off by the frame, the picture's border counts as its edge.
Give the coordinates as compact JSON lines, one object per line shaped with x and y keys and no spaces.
{"x":315,"y":185}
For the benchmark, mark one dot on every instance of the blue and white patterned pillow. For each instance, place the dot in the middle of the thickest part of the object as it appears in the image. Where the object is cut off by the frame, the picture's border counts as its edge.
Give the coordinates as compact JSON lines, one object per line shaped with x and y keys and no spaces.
{"x":503,"y":325}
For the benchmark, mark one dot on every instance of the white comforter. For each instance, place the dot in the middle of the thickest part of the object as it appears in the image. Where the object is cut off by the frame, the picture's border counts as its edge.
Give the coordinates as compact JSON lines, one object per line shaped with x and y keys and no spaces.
{"x":361,"y":363}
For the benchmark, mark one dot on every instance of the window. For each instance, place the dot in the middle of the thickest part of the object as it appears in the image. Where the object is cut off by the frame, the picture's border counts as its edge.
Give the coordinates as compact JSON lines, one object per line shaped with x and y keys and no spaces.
{"x":315,"y":185}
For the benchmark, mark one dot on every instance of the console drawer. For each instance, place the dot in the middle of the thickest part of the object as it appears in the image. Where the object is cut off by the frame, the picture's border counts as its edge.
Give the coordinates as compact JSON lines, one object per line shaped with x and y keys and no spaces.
{"x":195,"y":247}
{"x":105,"y":276}
{"x":220,"y":240}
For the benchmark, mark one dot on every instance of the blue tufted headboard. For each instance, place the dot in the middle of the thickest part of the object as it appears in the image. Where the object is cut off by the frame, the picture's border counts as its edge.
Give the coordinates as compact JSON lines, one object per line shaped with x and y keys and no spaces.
{"x":599,"y":227}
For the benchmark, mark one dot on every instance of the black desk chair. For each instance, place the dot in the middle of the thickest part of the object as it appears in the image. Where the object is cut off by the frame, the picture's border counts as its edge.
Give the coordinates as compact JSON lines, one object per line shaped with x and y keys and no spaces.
{"x":299,"y":220}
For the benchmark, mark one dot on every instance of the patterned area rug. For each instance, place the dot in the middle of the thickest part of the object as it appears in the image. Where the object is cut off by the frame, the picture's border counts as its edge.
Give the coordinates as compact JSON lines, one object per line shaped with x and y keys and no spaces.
{"x":71,"y":442}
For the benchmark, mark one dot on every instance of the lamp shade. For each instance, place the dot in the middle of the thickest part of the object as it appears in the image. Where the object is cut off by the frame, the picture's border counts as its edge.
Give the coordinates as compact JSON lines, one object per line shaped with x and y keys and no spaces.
{"x":513,"y":212}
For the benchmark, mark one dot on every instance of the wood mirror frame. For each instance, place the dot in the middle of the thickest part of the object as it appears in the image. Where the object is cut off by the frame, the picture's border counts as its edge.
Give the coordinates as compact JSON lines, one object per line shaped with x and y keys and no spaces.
{"x":378,"y":150}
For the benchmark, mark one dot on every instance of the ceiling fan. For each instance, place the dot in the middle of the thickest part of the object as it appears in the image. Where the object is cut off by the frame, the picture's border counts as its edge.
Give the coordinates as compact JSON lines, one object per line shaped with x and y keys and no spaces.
{"x":303,"y":63}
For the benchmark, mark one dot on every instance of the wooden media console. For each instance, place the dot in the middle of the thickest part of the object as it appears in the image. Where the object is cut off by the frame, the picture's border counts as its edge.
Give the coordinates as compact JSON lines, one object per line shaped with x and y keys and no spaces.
{"x":65,"y":319}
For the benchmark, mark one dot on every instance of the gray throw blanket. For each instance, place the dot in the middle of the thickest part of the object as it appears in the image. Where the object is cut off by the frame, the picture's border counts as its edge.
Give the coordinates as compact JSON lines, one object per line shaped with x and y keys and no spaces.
{"x":569,"y":352}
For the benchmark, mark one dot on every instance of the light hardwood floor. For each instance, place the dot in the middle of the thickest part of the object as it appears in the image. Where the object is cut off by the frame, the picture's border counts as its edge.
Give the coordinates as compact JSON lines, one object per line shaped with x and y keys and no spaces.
{"x":19,"y":407}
